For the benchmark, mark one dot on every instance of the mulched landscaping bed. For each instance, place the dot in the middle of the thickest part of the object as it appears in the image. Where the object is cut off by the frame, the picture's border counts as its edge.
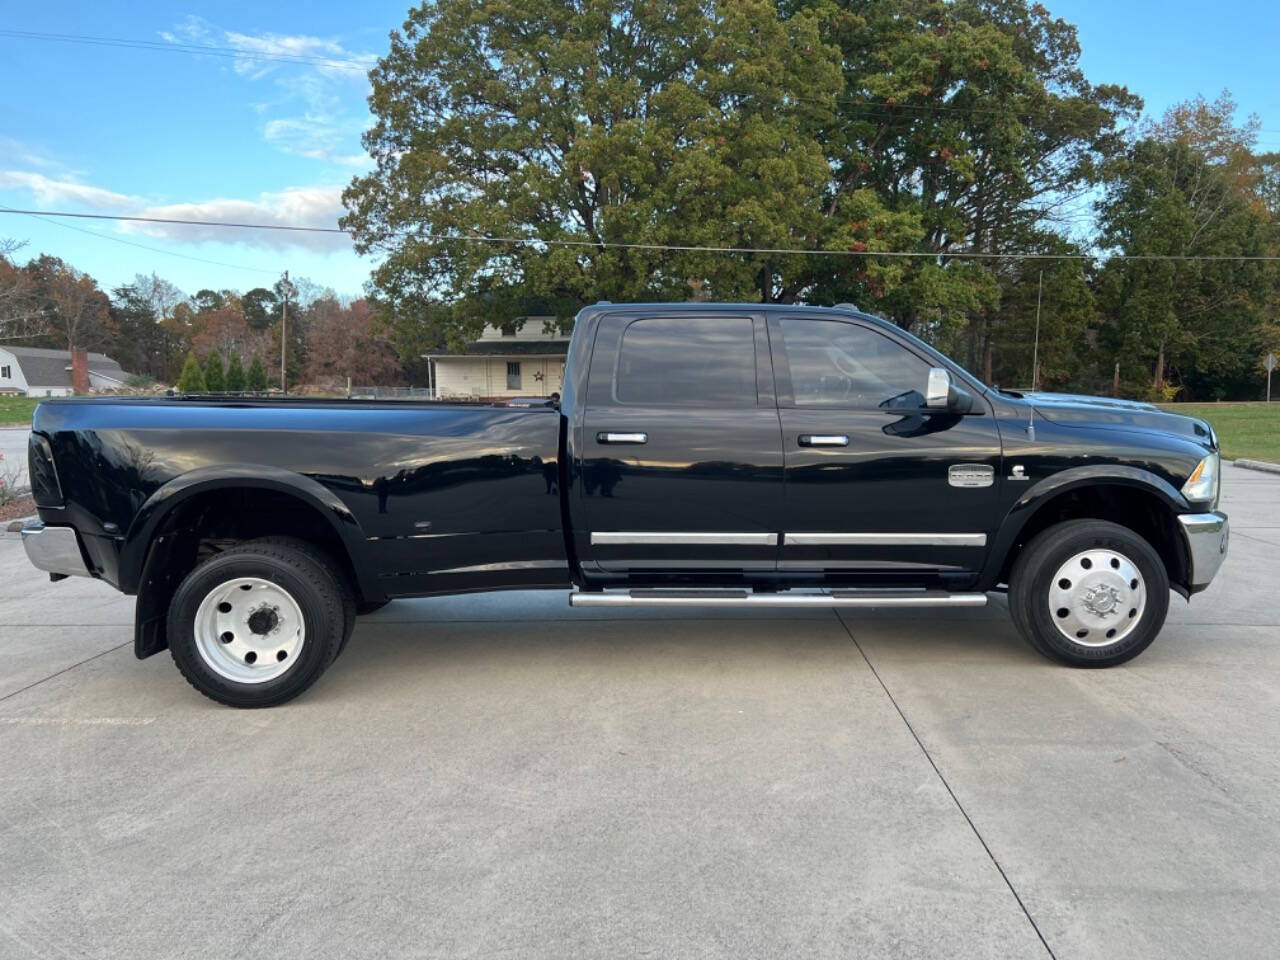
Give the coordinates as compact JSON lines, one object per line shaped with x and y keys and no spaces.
{"x":16,"y":510}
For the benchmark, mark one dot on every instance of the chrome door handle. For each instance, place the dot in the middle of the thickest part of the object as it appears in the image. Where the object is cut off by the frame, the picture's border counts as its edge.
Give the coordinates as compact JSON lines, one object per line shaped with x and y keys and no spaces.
{"x":606,"y":437}
{"x":823,"y":440}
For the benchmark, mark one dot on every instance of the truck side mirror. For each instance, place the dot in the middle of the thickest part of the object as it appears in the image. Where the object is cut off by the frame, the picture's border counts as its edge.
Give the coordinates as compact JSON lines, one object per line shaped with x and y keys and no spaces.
{"x":942,"y":394}
{"x":938,"y":389}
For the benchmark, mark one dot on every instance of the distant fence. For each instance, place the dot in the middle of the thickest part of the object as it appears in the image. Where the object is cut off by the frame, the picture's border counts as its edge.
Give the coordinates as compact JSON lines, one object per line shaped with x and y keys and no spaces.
{"x":393,"y":393}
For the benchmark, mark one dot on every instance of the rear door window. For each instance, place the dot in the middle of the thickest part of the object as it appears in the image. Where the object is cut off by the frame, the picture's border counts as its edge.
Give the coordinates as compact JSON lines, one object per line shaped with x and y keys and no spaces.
{"x":687,"y":362}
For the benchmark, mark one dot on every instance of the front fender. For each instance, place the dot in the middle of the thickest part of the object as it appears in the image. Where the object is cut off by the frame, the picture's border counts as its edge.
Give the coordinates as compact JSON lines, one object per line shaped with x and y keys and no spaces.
{"x":1064,"y":481}
{"x":180,"y":489}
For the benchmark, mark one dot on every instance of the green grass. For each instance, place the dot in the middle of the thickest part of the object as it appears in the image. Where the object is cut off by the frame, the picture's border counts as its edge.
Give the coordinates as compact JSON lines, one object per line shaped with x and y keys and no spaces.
{"x":1249,"y":430}
{"x":16,"y":411}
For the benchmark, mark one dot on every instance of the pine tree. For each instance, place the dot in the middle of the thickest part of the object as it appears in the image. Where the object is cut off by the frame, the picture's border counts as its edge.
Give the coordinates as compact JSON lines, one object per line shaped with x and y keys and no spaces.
{"x":192,"y":379}
{"x":256,"y":378}
{"x":215,"y":380}
{"x":235,"y":375}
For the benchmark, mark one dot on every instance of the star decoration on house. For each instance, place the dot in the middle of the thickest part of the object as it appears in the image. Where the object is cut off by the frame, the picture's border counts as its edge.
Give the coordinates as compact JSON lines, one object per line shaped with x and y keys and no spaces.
{"x":537,"y":375}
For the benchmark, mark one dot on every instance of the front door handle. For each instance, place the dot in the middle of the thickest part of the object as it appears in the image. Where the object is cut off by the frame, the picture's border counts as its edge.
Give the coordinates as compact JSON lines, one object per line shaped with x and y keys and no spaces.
{"x":823,"y":440}
{"x":607,"y":437}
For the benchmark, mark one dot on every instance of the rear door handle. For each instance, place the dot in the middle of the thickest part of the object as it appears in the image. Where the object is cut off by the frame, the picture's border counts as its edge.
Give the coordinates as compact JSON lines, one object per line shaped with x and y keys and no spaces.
{"x":823,"y":440}
{"x":607,"y":437}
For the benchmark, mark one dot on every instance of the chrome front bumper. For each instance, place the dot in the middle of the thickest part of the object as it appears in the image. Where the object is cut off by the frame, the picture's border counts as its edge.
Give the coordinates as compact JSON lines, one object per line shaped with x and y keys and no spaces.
{"x":1206,"y":536}
{"x":55,"y":549}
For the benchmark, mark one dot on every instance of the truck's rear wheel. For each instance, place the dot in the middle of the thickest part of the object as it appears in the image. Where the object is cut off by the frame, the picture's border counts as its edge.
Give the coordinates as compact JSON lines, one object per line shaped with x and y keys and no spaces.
{"x":256,"y":625}
{"x":1089,"y":593}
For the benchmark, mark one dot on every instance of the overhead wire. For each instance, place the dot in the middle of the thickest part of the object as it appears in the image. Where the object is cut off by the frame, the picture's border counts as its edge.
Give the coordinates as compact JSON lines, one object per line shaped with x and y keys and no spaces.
{"x":671,"y":247}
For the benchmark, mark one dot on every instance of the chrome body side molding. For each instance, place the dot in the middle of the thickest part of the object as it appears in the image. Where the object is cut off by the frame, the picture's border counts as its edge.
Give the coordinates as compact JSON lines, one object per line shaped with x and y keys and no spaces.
{"x":612,"y":538}
{"x":885,"y":539}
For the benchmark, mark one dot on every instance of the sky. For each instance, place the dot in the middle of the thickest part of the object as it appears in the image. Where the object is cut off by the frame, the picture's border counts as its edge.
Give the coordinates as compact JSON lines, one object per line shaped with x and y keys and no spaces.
{"x":266,"y":129}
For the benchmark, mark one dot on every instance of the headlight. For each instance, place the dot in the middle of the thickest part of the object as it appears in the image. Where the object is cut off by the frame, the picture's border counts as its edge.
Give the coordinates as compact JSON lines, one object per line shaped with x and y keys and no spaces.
{"x":1203,"y":482}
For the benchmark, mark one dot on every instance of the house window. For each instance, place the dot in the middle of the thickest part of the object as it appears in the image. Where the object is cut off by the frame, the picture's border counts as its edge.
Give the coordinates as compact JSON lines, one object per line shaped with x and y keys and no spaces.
{"x":513,"y":375}
{"x":4,"y":373}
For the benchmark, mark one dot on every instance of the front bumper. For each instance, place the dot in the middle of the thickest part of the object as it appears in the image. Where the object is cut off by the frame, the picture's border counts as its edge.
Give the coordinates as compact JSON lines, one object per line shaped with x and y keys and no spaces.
{"x":55,"y":549}
{"x":1206,"y":536}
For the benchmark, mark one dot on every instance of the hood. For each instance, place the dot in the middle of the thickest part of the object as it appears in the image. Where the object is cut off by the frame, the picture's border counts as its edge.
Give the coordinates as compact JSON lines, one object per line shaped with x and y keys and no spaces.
{"x":1073,"y":410}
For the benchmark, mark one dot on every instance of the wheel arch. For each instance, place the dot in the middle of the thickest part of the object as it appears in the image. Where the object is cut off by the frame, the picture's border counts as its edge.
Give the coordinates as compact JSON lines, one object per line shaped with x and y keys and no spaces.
{"x":1129,"y":496}
{"x":230,"y":502}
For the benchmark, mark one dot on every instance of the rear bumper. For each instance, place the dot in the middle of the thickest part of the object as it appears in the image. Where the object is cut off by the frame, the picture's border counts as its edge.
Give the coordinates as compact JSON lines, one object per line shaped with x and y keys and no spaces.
{"x":1206,"y":536}
{"x":55,"y":549}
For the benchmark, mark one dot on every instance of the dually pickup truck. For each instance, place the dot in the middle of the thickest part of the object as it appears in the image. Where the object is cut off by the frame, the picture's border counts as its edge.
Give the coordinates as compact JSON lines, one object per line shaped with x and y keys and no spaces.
{"x":702,"y":454}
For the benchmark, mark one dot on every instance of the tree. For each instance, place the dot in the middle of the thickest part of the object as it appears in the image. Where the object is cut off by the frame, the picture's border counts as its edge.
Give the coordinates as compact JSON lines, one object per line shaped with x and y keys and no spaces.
{"x":75,"y":307}
{"x":344,"y":344}
{"x":1188,"y":188}
{"x":235,"y":382}
{"x":595,"y":123}
{"x":192,"y":379}
{"x":215,"y":380}
{"x":256,"y":378}
{"x":261,"y":308}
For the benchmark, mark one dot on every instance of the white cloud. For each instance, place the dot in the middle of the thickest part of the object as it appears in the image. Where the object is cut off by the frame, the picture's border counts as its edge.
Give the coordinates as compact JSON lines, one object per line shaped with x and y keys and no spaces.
{"x":316,"y":79}
{"x":54,"y":192}
{"x":293,"y":206}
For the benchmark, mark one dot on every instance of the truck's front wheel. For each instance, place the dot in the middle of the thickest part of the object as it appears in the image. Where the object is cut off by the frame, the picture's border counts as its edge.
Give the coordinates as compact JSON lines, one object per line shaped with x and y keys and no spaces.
{"x":1089,"y":593}
{"x":256,"y":625}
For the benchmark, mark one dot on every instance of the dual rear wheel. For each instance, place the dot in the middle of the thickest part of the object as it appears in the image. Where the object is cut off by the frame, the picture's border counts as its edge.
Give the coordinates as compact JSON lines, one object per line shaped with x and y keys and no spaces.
{"x":259,"y":623}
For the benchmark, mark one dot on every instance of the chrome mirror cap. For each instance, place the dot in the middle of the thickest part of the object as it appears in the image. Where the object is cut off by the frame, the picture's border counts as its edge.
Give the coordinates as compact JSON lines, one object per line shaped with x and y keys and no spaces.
{"x":939,"y":387}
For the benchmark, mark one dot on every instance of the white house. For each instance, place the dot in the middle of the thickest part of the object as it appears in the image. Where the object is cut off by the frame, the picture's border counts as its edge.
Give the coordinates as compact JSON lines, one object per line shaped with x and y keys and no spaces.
{"x":36,"y":372}
{"x":528,"y":362}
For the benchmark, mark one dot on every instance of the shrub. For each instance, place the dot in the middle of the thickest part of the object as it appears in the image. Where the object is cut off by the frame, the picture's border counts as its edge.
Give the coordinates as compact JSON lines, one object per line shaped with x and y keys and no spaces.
{"x":235,"y":375}
{"x":192,"y":379}
{"x":215,"y":381}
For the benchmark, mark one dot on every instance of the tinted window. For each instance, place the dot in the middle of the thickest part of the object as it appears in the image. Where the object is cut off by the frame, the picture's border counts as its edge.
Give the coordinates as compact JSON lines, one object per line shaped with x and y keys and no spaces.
{"x":709,"y":361}
{"x":845,"y":365}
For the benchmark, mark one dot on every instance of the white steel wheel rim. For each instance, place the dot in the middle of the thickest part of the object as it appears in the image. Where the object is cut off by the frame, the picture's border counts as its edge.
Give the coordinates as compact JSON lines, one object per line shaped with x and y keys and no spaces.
{"x":249,"y":630}
{"x":1096,"y":598}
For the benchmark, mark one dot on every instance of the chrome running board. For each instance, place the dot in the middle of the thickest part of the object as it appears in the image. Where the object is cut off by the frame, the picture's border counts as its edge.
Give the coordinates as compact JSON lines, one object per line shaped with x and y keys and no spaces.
{"x":744,"y":598}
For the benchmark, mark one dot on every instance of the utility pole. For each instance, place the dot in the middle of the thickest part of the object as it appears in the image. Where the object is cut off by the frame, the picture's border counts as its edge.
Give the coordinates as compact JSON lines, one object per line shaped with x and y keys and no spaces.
{"x":1035,"y":350}
{"x":286,"y":288}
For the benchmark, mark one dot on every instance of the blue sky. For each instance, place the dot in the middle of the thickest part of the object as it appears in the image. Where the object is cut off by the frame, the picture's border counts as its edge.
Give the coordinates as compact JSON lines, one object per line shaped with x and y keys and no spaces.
{"x":103,"y":128}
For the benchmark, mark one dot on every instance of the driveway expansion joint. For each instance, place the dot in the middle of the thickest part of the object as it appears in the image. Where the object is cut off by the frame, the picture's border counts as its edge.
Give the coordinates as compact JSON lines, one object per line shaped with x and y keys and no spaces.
{"x":947,"y":786}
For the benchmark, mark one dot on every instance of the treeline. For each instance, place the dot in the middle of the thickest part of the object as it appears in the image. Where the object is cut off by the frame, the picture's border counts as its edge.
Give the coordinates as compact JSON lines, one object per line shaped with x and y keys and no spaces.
{"x":159,"y":334}
{"x":962,"y":133}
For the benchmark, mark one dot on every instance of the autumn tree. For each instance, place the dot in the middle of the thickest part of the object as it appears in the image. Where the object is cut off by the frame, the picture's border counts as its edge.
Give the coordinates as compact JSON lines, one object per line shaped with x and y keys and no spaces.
{"x":74,"y":305}
{"x":344,"y":344}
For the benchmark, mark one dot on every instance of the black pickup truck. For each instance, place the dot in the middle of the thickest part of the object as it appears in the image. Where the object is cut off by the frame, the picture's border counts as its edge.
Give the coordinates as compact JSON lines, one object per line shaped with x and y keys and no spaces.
{"x":702,"y":454}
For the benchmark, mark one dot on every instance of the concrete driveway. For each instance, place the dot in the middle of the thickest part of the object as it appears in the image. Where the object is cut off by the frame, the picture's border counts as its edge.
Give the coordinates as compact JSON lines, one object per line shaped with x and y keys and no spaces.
{"x":13,"y":444}
{"x":503,"y":776}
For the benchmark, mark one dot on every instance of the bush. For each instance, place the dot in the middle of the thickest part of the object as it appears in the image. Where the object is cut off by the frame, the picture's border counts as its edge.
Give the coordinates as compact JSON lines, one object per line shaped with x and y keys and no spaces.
{"x":215,"y":380}
{"x":140,"y":381}
{"x":256,"y":378}
{"x":235,"y":375}
{"x":192,"y":379}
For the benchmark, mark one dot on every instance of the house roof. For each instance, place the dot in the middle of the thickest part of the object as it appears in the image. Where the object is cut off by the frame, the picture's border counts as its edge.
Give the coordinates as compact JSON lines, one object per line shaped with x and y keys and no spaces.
{"x":509,"y":348}
{"x":52,"y":368}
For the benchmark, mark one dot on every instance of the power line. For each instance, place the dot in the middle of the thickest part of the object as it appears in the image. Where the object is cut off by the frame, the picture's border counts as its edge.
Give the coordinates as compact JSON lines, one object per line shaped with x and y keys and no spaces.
{"x":195,"y":48}
{"x":675,"y":248}
{"x":140,"y":246}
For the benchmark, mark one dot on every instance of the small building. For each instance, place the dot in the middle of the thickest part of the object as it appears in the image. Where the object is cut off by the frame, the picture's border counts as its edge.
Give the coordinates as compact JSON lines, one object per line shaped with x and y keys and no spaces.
{"x":37,"y":372}
{"x":503,"y":363}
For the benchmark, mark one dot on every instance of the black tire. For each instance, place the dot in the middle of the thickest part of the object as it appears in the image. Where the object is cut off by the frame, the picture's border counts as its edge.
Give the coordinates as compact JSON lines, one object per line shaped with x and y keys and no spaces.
{"x":366,"y":607}
{"x":1032,"y":580}
{"x":305,"y":575}
{"x":348,"y":592}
